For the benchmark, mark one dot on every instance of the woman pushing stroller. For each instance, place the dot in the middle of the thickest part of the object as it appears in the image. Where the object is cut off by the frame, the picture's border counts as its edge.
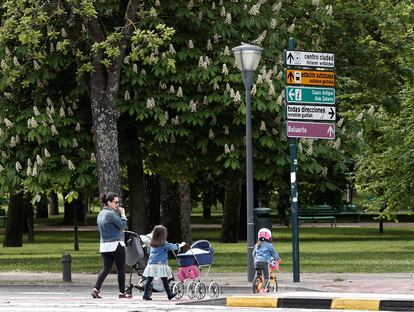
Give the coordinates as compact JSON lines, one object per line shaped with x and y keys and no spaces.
{"x":158,"y":261}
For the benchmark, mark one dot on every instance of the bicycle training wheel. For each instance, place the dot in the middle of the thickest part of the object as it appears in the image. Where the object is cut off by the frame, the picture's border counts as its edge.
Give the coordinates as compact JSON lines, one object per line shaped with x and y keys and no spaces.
{"x":191,"y":289}
{"x":179,"y":289}
{"x":200,"y":290}
{"x":214,"y":290}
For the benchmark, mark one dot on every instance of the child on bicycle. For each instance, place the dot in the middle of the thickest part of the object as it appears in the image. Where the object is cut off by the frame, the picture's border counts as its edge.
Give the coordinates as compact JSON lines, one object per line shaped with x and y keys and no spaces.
{"x":264,"y":252}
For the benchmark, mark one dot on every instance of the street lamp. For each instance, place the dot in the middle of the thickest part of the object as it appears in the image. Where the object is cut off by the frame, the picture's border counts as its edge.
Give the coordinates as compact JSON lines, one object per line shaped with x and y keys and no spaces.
{"x":247,"y":58}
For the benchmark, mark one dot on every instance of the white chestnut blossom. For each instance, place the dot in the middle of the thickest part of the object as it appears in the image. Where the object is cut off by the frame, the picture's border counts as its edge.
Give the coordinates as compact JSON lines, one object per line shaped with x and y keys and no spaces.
{"x":77,"y":127}
{"x":277,"y":6}
{"x":273,"y":23}
{"x":39,"y":160}
{"x":255,"y":10}
{"x":74,"y":143}
{"x":172,"y":139}
{"x":226,"y":130}
{"x":171,"y":49}
{"x":135,"y":68}
{"x":36,"y":65}
{"x":209,"y":45}
{"x":205,"y":100}
{"x":329,"y":9}
{"x":54,"y":130}
{"x":127,"y":96}
{"x":226,"y":149}
{"x":18,"y":166}
{"x":274,"y":131}
{"x":180,"y":92}
{"x":262,"y":126}
{"x":47,"y":154}
{"x":1,"y":169}
{"x":223,"y":12}
{"x":143,"y":72}
{"x":237,"y":97}
{"x":36,"y":111}
{"x":34,"y":171}
{"x":172,"y":89}
{"x":93,"y":158}
{"x":8,"y":123}
{"x":225,"y":71}
{"x":71,"y":166}
{"x":150,"y":103}
{"x":272,"y":90}
{"x":193,"y":106}
{"x":340,"y":122}
{"x":228,"y":19}
{"x":190,"y":44}
{"x":291,"y":28}
{"x":211,"y":134}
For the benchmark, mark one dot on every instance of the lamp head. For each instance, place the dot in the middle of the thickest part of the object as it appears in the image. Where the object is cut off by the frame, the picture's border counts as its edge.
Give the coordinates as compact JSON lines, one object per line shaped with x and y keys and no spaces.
{"x":247,"y":56}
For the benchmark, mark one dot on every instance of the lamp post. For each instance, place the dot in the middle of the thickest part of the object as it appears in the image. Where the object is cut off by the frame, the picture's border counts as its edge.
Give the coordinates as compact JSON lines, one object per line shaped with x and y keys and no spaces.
{"x":247,"y":58}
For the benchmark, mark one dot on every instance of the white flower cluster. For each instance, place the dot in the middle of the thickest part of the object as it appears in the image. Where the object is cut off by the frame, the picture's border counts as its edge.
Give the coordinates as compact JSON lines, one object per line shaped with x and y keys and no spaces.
{"x":16,"y":61}
{"x":291,"y":28}
{"x":1,"y":132}
{"x":193,"y":106}
{"x":135,"y":68}
{"x":255,"y":9}
{"x":260,"y":39}
{"x":175,"y":121}
{"x":71,"y":166}
{"x":315,"y":2}
{"x":8,"y":123}
{"x":228,"y":19}
{"x":162,"y":85}
{"x":226,"y":130}
{"x":93,"y":158}
{"x":262,"y":126}
{"x":127,"y":96}
{"x":62,"y":112}
{"x":172,"y":139}
{"x":171,"y":49}
{"x":216,"y":86}
{"x":36,"y":111}
{"x":4,"y":155}
{"x":143,"y":72}
{"x":226,"y":51}
{"x":1,"y":168}
{"x":271,"y":89}
{"x":277,"y":6}
{"x":209,"y":45}
{"x":280,"y":98}
{"x":337,"y":144}
{"x":54,"y":130}
{"x":329,"y":9}
{"x":74,"y":143}
{"x":340,"y":122}
{"x":190,"y":44}
{"x":205,"y":100}
{"x":211,"y":134}
{"x":204,"y":62}
{"x":150,"y":103}
{"x":47,"y":154}
{"x":225,"y":71}
{"x":172,"y":89}
{"x":359,"y":117}
{"x":324,"y":171}
{"x":180,"y":92}
{"x":36,"y":65}
{"x":254,"y":90}
{"x":274,"y":131}
{"x":39,"y":160}
{"x":18,"y":166}
{"x":49,"y":101}
{"x":77,"y":127}
{"x":31,"y":123}
{"x":273,"y":23}
{"x":223,"y":12}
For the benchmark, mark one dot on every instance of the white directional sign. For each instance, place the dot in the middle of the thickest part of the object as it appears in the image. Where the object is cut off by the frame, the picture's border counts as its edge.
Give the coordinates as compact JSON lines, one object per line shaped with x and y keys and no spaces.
{"x":308,"y":112}
{"x":313,"y":59}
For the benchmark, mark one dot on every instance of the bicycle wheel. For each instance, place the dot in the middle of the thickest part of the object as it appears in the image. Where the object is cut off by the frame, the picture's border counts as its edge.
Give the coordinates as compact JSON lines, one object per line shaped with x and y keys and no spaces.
{"x":191,"y":289}
{"x":214,"y":290}
{"x":257,"y":285}
{"x":179,"y":289}
{"x":200,"y":290}
{"x":273,"y":285}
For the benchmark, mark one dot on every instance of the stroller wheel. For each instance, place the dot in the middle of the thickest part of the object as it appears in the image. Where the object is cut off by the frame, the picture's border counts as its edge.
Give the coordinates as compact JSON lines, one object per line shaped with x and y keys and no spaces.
{"x":191,"y":290}
{"x":179,"y":289}
{"x":214,"y":290}
{"x":129,"y":289}
{"x":200,"y":290}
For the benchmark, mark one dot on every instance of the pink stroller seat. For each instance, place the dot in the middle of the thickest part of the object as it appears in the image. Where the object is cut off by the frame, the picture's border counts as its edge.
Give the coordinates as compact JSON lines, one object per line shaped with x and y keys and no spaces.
{"x":190,"y":272}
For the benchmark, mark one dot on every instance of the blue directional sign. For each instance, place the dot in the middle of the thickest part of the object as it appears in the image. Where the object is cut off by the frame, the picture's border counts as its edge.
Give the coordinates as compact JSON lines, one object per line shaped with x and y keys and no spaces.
{"x":303,"y":95}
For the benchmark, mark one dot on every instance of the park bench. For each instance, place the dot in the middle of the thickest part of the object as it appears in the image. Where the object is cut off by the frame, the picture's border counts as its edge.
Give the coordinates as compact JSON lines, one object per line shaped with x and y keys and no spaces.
{"x":3,"y":217}
{"x":318,"y":213}
{"x":350,"y":210}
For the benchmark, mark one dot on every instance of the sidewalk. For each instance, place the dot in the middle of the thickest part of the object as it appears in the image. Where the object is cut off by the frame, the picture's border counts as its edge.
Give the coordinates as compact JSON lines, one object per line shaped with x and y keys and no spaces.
{"x":387,"y":292}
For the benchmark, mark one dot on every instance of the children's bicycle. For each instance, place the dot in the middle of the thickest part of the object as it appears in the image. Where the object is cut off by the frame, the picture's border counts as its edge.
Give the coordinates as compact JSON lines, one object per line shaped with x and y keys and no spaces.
{"x":258,"y":282}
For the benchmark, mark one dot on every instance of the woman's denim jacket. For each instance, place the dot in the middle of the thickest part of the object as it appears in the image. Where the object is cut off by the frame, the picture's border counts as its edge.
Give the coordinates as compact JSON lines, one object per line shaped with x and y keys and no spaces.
{"x":159,"y":255}
{"x":111,"y":225}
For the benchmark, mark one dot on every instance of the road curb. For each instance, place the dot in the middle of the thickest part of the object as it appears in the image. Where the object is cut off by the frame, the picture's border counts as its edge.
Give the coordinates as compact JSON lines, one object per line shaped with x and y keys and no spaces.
{"x":368,"y":304}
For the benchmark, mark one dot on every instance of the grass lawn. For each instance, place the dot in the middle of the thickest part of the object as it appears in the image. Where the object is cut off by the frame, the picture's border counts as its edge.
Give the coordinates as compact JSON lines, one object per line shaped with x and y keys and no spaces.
{"x":321,"y":250}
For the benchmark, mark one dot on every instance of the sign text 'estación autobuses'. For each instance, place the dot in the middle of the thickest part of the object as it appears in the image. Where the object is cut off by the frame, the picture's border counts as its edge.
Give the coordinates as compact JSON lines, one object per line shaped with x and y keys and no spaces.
{"x":312,"y":59}
{"x":310,"y":77}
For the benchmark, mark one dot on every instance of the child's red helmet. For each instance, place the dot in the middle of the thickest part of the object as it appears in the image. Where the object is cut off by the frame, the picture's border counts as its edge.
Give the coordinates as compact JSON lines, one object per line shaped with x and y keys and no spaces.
{"x":264,"y":233}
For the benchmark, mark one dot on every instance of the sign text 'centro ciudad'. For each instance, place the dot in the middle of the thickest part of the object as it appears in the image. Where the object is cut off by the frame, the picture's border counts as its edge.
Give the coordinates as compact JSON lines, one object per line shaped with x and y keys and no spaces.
{"x":309,"y":98}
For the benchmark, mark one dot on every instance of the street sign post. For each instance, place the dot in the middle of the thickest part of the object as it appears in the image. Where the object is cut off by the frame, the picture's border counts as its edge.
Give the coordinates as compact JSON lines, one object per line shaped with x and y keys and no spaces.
{"x":312,"y":59}
{"x":306,"y":95}
{"x":310,"y":77}
{"x":307,"y":112}
{"x":310,"y":130}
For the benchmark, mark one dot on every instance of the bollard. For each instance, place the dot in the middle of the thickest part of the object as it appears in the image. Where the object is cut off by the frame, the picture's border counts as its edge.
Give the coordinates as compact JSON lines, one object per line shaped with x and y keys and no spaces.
{"x":67,"y":267}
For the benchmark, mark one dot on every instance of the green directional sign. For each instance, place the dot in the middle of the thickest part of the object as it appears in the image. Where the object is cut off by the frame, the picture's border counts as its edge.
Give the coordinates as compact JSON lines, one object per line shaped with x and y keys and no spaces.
{"x":306,"y":95}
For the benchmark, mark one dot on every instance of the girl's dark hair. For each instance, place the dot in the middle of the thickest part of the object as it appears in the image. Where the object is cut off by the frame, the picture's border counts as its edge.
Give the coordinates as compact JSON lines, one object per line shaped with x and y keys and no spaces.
{"x":159,"y":236}
{"x":107,"y":197}
{"x":259,"y":242}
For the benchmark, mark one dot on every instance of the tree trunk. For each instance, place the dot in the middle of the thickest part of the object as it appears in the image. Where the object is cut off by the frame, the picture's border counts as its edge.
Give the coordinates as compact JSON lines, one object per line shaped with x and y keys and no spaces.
{"x":137,"y":203}
{"x":13,"y":234}
{"x":30,"y":221}
{"x":41,"y":208}
{"x":153,"y":188}
{"x":185,"y":210}
{"x":231,"y":210}
{"x":52,"y":204}
{"x":170,"y":207}
{"x":105,"y":117}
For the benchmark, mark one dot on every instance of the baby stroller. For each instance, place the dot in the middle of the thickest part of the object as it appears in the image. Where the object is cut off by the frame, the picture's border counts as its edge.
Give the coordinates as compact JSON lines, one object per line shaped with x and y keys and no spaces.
{"x":136,"y":257}
{"x":198,"y":258}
